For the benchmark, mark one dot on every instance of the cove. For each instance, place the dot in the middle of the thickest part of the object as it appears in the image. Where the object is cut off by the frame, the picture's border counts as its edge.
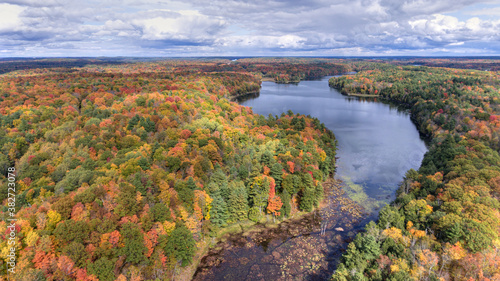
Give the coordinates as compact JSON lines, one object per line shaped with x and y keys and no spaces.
{"x":377,"y":144}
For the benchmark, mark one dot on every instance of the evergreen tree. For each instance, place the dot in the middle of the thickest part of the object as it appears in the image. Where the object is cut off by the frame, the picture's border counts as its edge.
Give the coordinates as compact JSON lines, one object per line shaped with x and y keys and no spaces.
{"x":318,"y":194}
{"x":288,"y":186}
{"x":137,"y":182}
{"x":238,"y":204}
{"x":308,"y":195}
{"x":191,"y":184}
{"x":127,"y":202}
{"x":160,"y":212}
{"x":181,"y":244}
{"x":254,"y":214}
{"x":133,"y":240}
{"x":185,"y":193}
{"x":258,"y":194}
{"x":148,"y":125}
{"x":103,"y":269}
{"x":266,"y":158}
{"x":219,"y":180}
{"x":218,"y":214}
{"x":277,"y":173}
{"x":286,"y":208}
{"x":368,"y":246}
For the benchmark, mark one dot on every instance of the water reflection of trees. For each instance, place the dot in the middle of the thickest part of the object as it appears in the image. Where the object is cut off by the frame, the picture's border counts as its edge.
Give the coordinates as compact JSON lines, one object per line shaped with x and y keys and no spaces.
{"x":250,"y":96}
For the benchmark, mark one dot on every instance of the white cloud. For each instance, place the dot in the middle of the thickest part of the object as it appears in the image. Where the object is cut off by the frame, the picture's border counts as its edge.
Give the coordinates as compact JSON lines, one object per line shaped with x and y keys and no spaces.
{"x":9,"y":17}
{"x":185,"y":25}
{"x":263,"y":41}
{"x":441,"y":28}
{"x":33,"y":3}
{"x":485,"y":12}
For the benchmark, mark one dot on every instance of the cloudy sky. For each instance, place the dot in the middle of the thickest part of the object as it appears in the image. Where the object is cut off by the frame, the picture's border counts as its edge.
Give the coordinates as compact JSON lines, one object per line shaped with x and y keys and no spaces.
{"x":52,"y":28}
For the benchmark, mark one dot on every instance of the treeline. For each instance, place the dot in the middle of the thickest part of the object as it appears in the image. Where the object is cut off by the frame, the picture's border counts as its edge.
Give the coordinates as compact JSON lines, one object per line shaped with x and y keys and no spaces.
{"x":461,"y":63}
{"x":445,"y":222}
{"x":280,"y":70}
{"x":283,"y":70}
{"x":8,"y":65}
{"x":124,"y":171}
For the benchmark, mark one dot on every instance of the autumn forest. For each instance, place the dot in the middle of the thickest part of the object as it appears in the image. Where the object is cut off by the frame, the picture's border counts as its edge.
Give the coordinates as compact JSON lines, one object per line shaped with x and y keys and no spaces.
{"x":130,"y":169}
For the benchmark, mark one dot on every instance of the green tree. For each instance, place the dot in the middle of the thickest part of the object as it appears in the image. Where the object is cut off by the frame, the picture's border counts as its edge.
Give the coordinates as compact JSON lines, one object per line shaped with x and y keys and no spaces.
{"x":160,"y":212}
{"x":286,"y":208}
{"x":103,"y":269}
{"x":70,"y":230}
{"x":181,"y":244}
{"x":133,"y":240}
{"x":308,"y":194}
{"x":390,"y":216}
{"x":76,"y":252}
{"x":277,"y":173}
{"x":127,"y":202}
{"x":219,"y":212}
{"x":238,"y":204}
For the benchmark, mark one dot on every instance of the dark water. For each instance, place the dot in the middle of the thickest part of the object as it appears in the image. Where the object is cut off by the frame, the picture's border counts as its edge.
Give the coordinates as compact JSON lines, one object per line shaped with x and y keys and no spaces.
{"x":377,"y":144}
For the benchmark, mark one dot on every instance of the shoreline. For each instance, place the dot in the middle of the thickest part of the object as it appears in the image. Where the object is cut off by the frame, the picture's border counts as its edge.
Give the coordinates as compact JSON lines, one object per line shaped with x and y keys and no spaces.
{"x":236,"y":97}
{"x":265,"y":230}
{"x":362,"y":95}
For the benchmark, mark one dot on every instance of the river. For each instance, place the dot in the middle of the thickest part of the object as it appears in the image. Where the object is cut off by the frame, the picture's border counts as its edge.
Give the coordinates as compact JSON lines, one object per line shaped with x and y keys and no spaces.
{"x":377,"y":144}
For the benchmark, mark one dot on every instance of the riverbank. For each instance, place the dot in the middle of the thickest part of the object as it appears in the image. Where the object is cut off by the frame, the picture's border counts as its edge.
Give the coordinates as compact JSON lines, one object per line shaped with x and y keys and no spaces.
{"x":298,"y":246}
{"x":235,"y":98}
{"x":361,"y":95}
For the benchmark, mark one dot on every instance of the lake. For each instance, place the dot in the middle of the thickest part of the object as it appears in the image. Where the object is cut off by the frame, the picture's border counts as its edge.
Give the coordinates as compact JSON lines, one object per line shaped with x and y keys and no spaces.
{"x":377,"y":144}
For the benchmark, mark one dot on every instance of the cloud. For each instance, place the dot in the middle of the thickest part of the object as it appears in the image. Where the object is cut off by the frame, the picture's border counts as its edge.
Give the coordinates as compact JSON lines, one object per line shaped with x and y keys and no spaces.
{"x":9,"y":17}
{"x":448,"y":29}
{"x":275,"y":27}
{"x":187,"y":25}
{"x":33,"y":3}
{"x":485,"y":12}
{"x":263,"y":41}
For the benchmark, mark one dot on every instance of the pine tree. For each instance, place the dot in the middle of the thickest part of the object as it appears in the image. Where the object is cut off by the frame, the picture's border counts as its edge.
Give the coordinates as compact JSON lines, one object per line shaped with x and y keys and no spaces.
{"x":218,"y":213}
{"x":181,"y":244}
{"x":266,"y":158}
{"x":219,"y":179}
{"x":308,"y":194}
{"x":318,"y":194}
{"x":286,"y":208}
{"x":287,"y":185}
{"x":277,"y":173}
{"x":134,"y":243}
{"x":191,"y":184}
{"x":103,"y":269}
{"x":454,"y":233}
{"x":127,"y":202}
{"x":238,"y":204}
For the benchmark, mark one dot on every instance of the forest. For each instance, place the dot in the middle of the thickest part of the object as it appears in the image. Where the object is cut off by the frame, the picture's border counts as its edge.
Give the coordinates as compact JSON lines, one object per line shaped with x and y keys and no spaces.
{"x":445,"y":222}
{"x":127,"y":171}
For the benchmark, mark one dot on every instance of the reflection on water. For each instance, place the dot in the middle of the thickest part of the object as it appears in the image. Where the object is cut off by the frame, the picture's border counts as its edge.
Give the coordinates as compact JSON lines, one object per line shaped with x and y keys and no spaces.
{"x":377,"y":144}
